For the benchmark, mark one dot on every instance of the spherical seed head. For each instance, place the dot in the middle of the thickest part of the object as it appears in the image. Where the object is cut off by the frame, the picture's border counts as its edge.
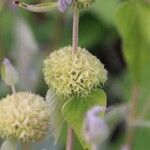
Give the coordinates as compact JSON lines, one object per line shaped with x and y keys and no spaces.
{"x":83,"y":4}
{"x":24,"y":116}
{"x":73,"y":75}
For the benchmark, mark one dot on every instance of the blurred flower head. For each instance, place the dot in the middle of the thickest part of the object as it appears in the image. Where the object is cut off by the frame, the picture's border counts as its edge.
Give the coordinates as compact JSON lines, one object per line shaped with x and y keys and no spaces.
{"x":9,"y":73}
{"x":95,"y":128}
{"x":24,"y":116}
{"x":73,"y":75}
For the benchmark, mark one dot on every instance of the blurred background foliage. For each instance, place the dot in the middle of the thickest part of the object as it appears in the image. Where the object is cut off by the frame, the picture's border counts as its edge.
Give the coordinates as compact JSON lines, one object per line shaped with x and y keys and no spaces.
{"x":26,"y":38}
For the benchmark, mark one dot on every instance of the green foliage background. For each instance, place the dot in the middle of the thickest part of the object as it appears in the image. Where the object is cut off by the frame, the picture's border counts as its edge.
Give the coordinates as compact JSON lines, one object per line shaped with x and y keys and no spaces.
{"x":117,"y":32}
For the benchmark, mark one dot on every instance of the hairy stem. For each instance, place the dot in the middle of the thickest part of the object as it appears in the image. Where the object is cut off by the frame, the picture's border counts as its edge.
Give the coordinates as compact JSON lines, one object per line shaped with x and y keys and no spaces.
{"x":69,"y":139}
{"x":75,"y":34}
{"x":13,"y":89}
{"x":75,"y":30}
{"x":133,"y":115}
{"x":25,"y":146}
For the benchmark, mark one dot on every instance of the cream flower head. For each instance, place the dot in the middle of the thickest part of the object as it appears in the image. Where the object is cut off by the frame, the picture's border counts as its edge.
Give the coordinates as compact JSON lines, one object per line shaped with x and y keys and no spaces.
{"x":73,"y":75}
{"x":24,"y":116}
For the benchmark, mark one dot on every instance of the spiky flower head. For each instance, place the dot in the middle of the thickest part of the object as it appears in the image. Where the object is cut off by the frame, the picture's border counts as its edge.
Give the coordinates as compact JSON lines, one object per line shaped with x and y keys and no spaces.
{"x":24,"y":116}
{"x":73,"y":75}
{"x":83,"y":4}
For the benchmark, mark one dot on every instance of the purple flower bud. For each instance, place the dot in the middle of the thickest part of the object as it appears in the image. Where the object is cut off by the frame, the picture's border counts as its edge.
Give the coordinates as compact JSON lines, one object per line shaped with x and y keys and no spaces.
{"x":95,"y":128}
{"x":69,"y":2}
{"x":63,"y":5}
{"x":8,"y":73}
{"x":6,"y":61}
{"x":95,"y":111}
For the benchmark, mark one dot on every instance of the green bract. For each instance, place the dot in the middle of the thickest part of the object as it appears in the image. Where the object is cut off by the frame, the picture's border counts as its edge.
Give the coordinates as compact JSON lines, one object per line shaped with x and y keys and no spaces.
{"x":24,"y":116}
{"x":83,"y":4}
{"x":73,"y":75}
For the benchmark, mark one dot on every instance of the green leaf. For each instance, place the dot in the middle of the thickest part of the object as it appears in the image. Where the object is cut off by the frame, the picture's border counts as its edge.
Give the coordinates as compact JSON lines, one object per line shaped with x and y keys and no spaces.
{"x":142,"y":137}
{"x":9,"y":145}
{"x":133,"y":22}
{"x":55,"y":105}
{"x":74,"y":111}
{"x":1,"y":4}
{"x":43,"y":7}
{"x":105,"y":9}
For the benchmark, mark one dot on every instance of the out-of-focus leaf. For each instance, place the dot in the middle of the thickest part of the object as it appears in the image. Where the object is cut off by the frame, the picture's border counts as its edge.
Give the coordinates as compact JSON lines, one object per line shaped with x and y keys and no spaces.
{"x":116,"y":115}
{"x":9,"y":145}
{"x":92,"y":24}
{"x":1,"y":4}
{"x":43,"y":7}
{"x":74,"y":111}
{"x":105,"y":9}
{"x":55,"y":106}
{"x":26,"y":55}
{"x":6,"y":22}
{"x":133,"y":23}
{"x":142,"y":137}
